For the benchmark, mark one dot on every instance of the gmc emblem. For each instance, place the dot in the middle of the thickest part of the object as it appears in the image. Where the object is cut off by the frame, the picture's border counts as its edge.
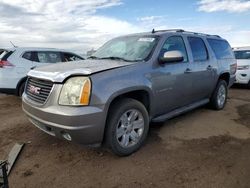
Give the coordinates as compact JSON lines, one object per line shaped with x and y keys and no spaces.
{"x":34,"y":90}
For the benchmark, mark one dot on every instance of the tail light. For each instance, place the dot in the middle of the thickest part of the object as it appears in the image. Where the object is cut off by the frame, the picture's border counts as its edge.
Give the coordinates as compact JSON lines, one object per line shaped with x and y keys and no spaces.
{"x":233,"y":68}
{"x":4,"y":64}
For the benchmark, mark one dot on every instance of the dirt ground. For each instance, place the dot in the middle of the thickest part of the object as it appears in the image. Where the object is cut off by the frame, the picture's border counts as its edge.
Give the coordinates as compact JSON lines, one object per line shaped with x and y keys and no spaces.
{"x":202,"y":148}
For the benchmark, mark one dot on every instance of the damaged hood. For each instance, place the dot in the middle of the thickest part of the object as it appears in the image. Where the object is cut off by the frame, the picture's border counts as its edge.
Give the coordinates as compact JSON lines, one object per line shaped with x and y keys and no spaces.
{"x":60,"y":71}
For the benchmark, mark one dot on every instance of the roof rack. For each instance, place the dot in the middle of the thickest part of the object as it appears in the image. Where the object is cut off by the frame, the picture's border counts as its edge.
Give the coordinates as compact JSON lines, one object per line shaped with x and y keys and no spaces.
{"x":183,"y":31}
{"x":203,"y":34}
{"x":168,"y":30}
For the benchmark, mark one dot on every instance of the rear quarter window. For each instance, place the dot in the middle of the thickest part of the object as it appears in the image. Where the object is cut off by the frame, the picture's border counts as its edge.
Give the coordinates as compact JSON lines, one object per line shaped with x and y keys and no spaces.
{"x":221,"y":49}
{"x":27,"y":55}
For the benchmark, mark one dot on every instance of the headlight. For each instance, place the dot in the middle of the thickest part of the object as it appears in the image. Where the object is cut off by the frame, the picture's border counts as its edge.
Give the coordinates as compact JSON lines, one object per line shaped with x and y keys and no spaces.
{"x":75,"y":92}
{"x":244,"y":67}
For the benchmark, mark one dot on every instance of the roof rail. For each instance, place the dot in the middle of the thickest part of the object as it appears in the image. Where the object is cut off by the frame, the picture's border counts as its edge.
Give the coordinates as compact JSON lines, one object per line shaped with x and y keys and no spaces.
{"x":168,"y":30}
{"x":183,"y":31}
{"x":203,"y":34}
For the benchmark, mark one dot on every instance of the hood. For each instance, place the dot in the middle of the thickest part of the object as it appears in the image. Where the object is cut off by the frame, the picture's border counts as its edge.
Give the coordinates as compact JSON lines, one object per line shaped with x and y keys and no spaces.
{"x":60,"y":71}
{"x":243,"y":62}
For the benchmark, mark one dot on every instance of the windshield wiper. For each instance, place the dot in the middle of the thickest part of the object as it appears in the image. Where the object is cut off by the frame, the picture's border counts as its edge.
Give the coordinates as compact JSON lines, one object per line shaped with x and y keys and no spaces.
{"x":117,"y":58}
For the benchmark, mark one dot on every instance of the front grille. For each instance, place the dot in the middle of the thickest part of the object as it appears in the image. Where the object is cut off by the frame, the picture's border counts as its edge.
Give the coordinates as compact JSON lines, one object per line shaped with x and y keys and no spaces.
{"x":38,"y":90}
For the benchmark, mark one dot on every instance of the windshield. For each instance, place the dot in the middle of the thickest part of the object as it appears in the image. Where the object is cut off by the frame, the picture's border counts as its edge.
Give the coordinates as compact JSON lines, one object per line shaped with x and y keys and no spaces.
{"x":245,"y":54}
{"x":130,"y":48}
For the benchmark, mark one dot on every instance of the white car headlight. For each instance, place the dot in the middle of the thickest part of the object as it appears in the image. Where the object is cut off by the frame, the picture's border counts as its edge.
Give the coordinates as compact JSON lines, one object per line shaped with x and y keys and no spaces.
{"x":76,"y":92}
{"x":244,"y":67}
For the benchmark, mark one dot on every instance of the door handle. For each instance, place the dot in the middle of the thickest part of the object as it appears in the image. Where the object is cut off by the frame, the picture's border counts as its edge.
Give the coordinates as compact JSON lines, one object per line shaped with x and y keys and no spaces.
{"x":188,"y":70}
{"x":210,"y":67}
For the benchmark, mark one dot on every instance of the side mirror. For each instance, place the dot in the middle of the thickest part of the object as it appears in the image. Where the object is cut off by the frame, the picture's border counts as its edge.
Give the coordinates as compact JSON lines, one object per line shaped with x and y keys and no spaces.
{"x":171,"y":56}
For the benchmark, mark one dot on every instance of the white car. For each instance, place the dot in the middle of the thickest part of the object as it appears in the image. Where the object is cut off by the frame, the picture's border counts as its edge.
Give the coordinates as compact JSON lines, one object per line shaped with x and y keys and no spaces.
{"x":15,"y":63}
{"x":243,"y":65}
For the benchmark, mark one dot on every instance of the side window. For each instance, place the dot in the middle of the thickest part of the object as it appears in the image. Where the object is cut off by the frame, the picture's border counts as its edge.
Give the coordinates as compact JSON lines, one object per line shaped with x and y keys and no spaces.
{"x":221,"y":49}
{"x":175,"y":43}
{"x":48,"y":57}
{"x":71,"y":57}
{"x":198,"y":48}
{"x":27,"y":55}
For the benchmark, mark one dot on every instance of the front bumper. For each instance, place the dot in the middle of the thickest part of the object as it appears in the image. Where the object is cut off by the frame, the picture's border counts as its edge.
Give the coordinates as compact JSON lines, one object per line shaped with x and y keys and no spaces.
{"x":85,"y":125}
{"x":242,"y":76}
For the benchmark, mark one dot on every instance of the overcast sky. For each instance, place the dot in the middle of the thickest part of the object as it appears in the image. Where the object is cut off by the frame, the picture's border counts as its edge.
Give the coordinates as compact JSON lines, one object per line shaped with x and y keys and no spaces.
{"x":84,"y":24}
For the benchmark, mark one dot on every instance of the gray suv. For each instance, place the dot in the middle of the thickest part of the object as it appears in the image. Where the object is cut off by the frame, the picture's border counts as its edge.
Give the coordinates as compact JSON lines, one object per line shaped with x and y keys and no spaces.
{"x":129,"y":82}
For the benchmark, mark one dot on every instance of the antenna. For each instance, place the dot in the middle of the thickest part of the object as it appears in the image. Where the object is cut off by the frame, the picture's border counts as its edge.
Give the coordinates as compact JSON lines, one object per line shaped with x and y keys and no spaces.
{"x":13,"y":44}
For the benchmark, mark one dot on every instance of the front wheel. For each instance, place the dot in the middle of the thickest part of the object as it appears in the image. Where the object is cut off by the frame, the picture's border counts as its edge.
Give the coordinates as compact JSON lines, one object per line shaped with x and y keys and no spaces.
{"x":219,"y":97}
{"x":127,"y":127}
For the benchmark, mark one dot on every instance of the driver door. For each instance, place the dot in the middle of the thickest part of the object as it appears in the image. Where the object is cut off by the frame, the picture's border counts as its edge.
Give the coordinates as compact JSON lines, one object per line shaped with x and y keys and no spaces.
{"x":173,"y":82}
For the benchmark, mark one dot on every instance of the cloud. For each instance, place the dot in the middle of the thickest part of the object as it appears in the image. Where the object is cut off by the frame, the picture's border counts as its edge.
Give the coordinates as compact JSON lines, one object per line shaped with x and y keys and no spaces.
{"x":238,"y":38}
{"x":57,"y":23}
{"x":150,"y":18}
{"x":232,"y":6}
{"x":77,"y":25}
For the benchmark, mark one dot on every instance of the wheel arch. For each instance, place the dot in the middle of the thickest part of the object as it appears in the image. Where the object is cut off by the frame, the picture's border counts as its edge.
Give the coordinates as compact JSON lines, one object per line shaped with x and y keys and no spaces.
{"x":21,"y":81}
{"x":225,"y":76}
{"x":141,"y":94}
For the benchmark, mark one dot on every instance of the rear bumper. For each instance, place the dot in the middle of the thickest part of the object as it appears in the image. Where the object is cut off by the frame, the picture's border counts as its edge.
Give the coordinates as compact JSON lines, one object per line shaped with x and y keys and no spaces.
{"x":85,"y":125}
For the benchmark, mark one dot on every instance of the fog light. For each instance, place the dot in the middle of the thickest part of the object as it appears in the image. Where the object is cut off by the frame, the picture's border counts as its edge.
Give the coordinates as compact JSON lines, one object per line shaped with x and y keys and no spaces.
{"x":66,"y":136}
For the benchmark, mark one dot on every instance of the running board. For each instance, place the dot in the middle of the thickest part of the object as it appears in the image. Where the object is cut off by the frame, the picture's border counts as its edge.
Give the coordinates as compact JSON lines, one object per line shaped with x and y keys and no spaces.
{"x":180,"y":111}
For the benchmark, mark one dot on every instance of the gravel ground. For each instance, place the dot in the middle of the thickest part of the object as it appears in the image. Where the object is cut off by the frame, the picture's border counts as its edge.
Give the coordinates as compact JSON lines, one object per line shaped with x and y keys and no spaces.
{"x":202,"y":148}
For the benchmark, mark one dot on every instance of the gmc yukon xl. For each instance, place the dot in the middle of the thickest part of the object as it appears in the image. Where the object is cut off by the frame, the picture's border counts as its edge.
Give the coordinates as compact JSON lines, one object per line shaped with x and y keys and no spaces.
{"x":129,"y":82}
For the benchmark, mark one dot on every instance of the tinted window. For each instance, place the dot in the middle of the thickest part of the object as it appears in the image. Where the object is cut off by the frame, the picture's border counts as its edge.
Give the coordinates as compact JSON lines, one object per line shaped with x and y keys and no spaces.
{"x":175,"y":43}
{"x":27,"y":55}
{"x":244,"y":54}
{"x":48,"y":57}
{"x":198,"y":48}
{"x":7,"y":55}
{"x":221,"y":48}
{"x":71,"y":57}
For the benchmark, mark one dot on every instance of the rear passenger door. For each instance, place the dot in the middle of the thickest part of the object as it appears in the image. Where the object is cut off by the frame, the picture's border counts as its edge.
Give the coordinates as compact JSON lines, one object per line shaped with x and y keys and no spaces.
{"x":202,"y":69}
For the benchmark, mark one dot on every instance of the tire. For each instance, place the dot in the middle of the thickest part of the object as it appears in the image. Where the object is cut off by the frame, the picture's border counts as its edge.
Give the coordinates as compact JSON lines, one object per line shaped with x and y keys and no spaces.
{"x":219,"y":97}
{"x":21,"y":89}
{"x":248,"y":85}
{"x":122,"y":136}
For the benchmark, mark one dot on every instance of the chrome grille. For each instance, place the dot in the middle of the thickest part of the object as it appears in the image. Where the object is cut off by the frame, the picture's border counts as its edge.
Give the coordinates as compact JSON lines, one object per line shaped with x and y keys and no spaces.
{"x":38,"y":90}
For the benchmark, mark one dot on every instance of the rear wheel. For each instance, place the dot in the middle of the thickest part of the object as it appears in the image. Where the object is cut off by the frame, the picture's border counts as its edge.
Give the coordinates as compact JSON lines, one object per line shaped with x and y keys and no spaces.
{"x":219,"y":97}
{"x":127,"y":127}
{"x":21,"y":89}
